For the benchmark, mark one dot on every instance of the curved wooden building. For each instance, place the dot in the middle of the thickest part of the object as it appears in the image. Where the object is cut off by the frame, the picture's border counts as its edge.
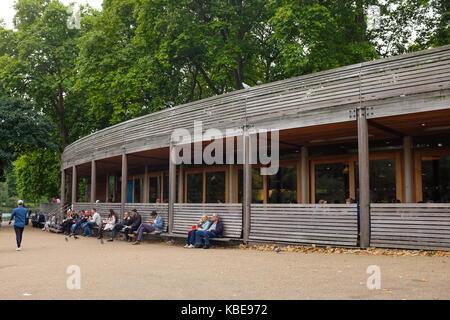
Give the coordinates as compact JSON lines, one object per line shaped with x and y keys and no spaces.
{"x":376,"y":132}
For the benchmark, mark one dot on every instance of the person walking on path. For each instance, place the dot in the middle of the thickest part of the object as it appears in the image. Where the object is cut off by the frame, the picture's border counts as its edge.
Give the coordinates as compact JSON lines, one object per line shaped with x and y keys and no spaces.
{"x":19,"y":215}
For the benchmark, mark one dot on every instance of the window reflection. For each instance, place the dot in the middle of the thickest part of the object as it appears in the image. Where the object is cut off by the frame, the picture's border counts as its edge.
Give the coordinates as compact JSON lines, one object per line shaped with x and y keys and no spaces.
{"x":195,"y":187}
{"x":436,"y":178}
{"x":331,"y":182}
{"x":257,"y":186}
{"x":382,"y":181}
{"x":282,"y":187}
{"x":215,"y":187}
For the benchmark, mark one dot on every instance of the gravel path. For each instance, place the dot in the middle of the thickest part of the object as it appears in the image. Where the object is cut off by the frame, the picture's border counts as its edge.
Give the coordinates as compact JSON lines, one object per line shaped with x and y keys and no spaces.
{"x":158,"y":270}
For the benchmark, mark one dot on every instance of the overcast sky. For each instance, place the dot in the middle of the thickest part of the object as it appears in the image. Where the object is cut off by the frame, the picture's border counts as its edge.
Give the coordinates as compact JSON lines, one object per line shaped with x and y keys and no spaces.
{"x":7,"y":11}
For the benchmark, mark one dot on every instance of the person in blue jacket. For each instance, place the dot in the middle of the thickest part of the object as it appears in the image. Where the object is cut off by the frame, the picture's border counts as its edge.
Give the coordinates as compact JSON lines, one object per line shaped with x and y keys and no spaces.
{"x":19,"y":215}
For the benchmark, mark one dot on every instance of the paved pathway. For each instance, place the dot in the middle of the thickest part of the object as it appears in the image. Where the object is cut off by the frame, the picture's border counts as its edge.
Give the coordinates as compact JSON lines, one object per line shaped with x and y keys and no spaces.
{"x":162,"y":271}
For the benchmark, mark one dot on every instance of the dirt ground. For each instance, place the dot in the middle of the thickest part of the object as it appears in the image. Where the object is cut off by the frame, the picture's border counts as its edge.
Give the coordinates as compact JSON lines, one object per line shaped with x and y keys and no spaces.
{"x":159,"y":270}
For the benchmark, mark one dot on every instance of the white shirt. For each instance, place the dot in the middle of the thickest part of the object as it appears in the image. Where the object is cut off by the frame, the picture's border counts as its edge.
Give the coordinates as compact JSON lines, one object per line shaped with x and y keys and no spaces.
{"x":96,"y":218}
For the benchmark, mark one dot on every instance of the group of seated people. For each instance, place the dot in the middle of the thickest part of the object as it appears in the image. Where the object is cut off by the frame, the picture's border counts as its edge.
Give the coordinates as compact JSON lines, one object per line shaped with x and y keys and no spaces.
{"x":40,"y":220}
{"x":203,"y":230}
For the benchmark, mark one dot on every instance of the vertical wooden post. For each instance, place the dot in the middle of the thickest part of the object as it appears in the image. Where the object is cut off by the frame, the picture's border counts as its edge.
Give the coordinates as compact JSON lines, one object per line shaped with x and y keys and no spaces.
{"x":146,"y":197}
{"x":364,"y":187}
{"x":124,"y":182}
{"x":407,"y":160}
{"x":93,"y":181}
{"x":304,"y":176}
{"x":230,"y":183}
{"x":63,"y":194}
{"x":247,"y":190}
{"x":107,"y":188}
{"x":74,"y":184}
{"x":180,"y":183}
{"x":172,"y":187}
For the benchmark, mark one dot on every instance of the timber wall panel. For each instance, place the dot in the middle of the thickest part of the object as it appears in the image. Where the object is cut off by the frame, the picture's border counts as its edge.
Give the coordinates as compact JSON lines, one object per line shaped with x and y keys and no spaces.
{"x":305,"y":223}
{"x":410,"y":225}
{"x":187,"y":214}
{"x":389,"y":86}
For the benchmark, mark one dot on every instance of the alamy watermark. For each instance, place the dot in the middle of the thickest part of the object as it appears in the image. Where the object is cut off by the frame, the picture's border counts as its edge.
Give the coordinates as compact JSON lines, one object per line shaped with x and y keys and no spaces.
{"x":232,"y":140}
{"x":73,"y":282}
{"x":374,"y":280}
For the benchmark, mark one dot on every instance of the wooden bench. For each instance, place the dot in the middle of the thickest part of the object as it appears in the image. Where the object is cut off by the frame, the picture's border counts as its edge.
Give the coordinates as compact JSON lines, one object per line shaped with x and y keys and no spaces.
{"x":184,"y":236}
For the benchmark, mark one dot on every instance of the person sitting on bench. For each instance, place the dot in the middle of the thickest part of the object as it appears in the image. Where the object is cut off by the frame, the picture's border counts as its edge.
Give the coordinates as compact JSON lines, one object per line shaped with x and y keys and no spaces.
{"x":215,"y":231}
{"x":82,"y":218}
{"x":39,"y":221}
{"x":69,"y":221}
{"x":135,"y":224}
{"x":119,"y":226}
{"x":108,"y":224}
{"x":202,"y":225}
{"x":93,"y":221}
{"x":155,"y":226}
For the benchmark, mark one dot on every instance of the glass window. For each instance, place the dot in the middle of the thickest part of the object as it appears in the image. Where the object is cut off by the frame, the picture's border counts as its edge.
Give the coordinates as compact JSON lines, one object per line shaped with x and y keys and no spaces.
{"x":382,"y":181}
{"x":130,"y":191}
{"x":166,"y":188}
{"x":215,"y":187}
{"x":282,"y":187}
{"x":137,"y":190}
{"x":257,"y":186}
{"x":195,"y":188}
{"x":154,"y":189}
{"x":436,"y":179}
{"x":331,"y":182}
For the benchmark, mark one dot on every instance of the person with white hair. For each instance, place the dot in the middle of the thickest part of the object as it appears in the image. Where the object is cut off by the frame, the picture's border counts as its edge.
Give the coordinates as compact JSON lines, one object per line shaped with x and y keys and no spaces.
{"x":19,"y":215}
{"x":214,"y":231}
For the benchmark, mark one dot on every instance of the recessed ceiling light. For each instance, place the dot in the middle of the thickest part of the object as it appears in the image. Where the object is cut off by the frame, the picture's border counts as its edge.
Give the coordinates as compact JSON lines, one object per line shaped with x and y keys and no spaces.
{"x":423,"y":124}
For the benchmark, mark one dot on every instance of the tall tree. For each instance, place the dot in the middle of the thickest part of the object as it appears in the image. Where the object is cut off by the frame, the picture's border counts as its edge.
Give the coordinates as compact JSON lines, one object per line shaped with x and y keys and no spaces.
{"x":40,"y":66}
{"x":21,"y":130}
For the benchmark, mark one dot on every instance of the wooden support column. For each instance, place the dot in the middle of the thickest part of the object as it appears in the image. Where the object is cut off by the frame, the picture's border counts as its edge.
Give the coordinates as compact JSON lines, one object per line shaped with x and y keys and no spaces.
{"x":107,"y":188}
{"x":407,"y":160}
{"x":63,"y":194}
{"x":172,"y":186}
{"x":247,"y":190}
{"x":74,"y":184}
{"x":146,"y":198}
{"x":180,"y":183}
{"x":93,"y":181}
{"x":124,"y":182}
{"x":304,"y":176}
{"x":230,"y":183}
{"x":364,"y":186}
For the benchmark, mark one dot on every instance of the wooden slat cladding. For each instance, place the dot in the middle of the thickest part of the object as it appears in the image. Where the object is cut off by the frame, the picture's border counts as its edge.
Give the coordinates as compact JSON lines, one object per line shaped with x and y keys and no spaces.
{"x":305,"y":223}
{"x":415,"y":226}
{"x":145,"y":210}
{"x":187,"y":214}
{"x":390,"y":85}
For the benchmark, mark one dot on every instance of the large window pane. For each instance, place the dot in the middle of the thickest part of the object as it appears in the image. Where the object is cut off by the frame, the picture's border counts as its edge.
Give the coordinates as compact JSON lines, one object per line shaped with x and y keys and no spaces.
{"x":436,"y":179}
{"x":137,"y":190}
{"x":166,"y":188}
{"x":282,"y":187}
{"x":215,"y":187}
{"x":195,"y":188}
{"x":332,"y":182}
{"x":154,"y":189}
{"x":257,"y":186}
{"x":382,"y":181}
